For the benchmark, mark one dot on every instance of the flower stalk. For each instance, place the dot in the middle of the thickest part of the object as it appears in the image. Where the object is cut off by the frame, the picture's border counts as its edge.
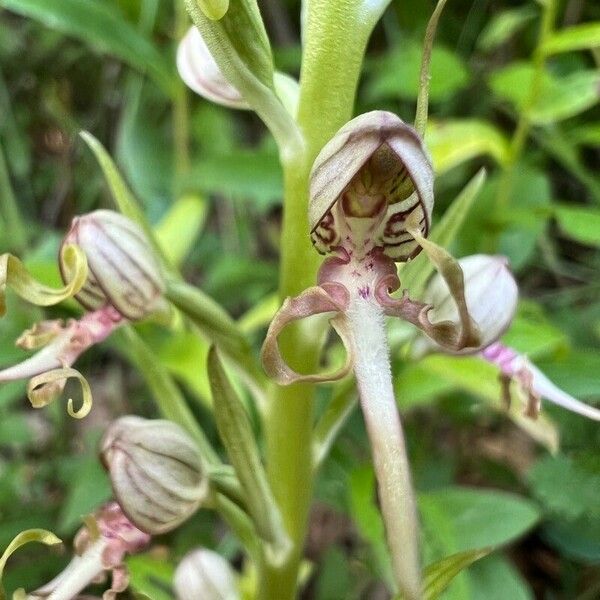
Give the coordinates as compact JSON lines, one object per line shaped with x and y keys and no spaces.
{"x":390,"y":459}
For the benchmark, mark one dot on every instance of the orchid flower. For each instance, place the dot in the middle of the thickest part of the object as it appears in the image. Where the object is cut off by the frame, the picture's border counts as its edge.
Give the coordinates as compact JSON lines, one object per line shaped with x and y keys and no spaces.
{"x":123,"y":282}
{"x":100,"y":546}
{"x":371,"y":199}
{"x":491,"y":294}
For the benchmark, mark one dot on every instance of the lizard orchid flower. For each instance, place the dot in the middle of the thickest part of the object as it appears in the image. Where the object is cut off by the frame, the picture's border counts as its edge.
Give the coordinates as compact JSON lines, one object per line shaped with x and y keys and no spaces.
{"x":491,"y":294}
{"x":100,"y":546}
{"x":371,"y":199}
{"x":156,"y":471}
{"x":123,"y":282}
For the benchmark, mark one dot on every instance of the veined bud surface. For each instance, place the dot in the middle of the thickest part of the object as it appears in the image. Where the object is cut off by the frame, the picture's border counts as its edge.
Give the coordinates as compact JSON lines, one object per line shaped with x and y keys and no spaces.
{"x":491,"y":295}
{"x":156,"y":472}
{"x":200,"y":72}
{"x":367,"y":182}
{"x":124,"y":271}
{"x":205,"y":574}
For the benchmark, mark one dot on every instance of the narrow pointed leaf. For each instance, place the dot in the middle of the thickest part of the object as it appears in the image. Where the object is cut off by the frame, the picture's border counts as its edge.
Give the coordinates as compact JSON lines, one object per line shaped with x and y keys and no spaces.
{"x":236,"y":433}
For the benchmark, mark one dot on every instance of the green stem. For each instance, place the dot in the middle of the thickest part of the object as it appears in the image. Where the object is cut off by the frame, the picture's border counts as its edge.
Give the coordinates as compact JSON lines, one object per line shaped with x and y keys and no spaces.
{"x":524,"y":122}
{"x":10,"y":211}
{"x":180,"y":103}
{"x":336,"y":35}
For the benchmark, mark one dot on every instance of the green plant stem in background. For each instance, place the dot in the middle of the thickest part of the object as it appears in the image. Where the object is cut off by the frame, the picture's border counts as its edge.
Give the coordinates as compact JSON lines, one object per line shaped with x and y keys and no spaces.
{"x":524,"y":122}
{"x":180,"y":103}
{"x":15,"y":228}
{"x":335,"y":39}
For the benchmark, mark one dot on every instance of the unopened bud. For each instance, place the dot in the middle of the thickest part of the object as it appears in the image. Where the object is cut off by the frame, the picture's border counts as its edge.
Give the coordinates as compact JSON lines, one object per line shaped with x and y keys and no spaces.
{"x":491,"y":295}
{"x":205,"y":574}
{"x":156,"y":472}
{"x":123,"y":269}
{"x":365,"y":184}
{"x":200,"y":72}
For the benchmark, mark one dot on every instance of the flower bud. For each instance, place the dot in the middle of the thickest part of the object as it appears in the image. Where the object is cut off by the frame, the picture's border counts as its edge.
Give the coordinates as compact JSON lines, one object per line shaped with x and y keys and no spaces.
{"x":365,"y":184}
{"x":123,"y":269}
{"x":156,"y":472}
{"x":200,"y":72}
{"x":205,"y":574}
{"x":491,"y":295}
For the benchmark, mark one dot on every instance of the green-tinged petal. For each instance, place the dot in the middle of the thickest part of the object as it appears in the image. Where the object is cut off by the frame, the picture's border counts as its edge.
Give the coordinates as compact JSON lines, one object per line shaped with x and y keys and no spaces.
{"x":466,"y":335}
{"x":43,"y":389}
{"x":30,"y":535}
{"x":14,"y":274}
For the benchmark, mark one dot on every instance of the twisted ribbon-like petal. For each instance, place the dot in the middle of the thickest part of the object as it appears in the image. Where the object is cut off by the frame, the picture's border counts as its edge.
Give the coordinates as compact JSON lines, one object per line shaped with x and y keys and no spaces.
{"x":329,"y":297}
{"x":14,"y":274}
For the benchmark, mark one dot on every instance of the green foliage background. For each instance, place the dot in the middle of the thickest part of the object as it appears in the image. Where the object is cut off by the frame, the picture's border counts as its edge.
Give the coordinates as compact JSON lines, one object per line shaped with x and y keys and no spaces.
{"x":210,"y":181}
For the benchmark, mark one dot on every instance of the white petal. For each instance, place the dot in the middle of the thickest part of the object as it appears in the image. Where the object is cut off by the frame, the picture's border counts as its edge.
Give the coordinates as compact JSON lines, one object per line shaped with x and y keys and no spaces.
{"x":542,"y":386}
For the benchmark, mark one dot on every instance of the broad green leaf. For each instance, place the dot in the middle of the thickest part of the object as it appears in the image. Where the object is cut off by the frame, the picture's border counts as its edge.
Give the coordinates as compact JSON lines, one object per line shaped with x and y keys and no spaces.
{"x":585,"y":36}
{"x":100,"y":25}
{"x":559,"y":97}
{"x":580,"y":223}
{"x":151,"y":577}
{"x":579,"y":540}
{"x":567,"y":486}
{"x":494,"y":578}
{"x":334,"y":575}
{"x":439,"y":575}
{"x":452,"y":143}
{"x":504,"y":25}
{"x":367,"y":519}
{"x":241,"y":175}
{"x":179,"y":228}
{"x":88,"y":488}
{"x":478,"y":518}
{"x":184,"y":353}
{"x":396,"y":75}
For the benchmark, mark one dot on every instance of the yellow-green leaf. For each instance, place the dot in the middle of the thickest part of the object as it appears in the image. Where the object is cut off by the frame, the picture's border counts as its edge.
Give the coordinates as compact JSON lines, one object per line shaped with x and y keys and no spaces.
{"x":580,"y":223}
{"x":452,"y":143}
{"x":579,"y":37}
{"x":179,"y":228}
